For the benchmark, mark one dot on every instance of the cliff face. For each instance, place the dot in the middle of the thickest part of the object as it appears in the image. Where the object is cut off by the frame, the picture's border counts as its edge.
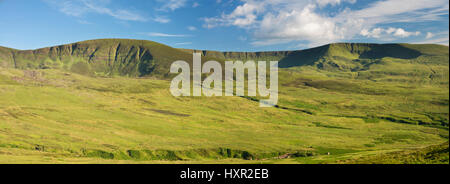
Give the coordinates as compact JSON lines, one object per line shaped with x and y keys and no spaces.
{"x":6,"y":57}
{"x":109,"y":56}
{"x":244,"y":56}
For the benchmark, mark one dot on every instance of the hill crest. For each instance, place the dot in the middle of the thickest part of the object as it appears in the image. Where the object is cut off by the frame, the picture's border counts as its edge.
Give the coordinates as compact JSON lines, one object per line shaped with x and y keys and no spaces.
{"x":136,"y":58}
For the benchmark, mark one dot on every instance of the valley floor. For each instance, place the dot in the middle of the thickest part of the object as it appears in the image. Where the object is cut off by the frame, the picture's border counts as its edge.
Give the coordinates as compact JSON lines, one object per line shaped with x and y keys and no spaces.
{"x":436,"y":154}
{"x":54,"y":116}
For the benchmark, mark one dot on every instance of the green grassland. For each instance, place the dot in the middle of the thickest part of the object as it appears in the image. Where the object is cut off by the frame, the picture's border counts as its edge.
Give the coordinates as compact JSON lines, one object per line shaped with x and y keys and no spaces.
{"x":108,"y":101}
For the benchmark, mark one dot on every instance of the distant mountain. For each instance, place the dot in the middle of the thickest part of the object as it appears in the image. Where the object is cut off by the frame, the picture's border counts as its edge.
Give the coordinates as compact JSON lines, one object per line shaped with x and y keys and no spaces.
{"x":342,"y":56}
{"x":244,"y":56}
{"x":142,"y":58}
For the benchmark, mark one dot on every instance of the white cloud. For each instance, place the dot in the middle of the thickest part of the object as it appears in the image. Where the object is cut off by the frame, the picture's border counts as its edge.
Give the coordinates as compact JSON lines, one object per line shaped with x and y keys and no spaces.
{"x":183,"y":43}
{"x":191,"y":28}
{"x":244,"y":15}
{"x":298,"y":25}
{"x":437,"y":38}
{"x":323,"y":3}
{"x":69,"y":8}
{"x":155,"y":34}
{"x":375,"y":33}
{"x":429,"y":35}
{"x":171,"y":4}
{"x":401,"y":11}
{"x":387,"y":34}
{"x":84,"y":22}
{"x":282,"y":21}
{"x":79,"y":8}
{"x":442,"y":41}
{"x":402,"y":33}
{"x":242,"y":38}
{"x":161,"y":19}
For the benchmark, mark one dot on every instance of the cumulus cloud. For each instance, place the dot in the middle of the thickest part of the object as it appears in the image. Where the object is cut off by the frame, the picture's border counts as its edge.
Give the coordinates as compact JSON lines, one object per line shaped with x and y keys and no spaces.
{"x":375,"y":33}
{"x":399,"y":32}
{"x":282,"y":21}
{"x":298,"y":25}
{"x":388,"y":33}
{"x":429,"y":35}
{"x":244,"y":15}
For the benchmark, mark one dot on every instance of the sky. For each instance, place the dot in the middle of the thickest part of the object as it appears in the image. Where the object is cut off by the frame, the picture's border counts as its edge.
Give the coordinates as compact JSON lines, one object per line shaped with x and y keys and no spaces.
{"x":224,"y":25}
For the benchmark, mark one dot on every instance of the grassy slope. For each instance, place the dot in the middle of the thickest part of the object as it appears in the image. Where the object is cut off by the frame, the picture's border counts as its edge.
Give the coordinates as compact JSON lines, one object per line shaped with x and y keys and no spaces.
{"x":436,"y":154}
{"x":393,"y":104}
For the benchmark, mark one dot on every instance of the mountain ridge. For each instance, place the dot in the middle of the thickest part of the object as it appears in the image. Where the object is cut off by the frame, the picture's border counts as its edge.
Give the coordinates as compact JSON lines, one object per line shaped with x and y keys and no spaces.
{"x":137,"y":58}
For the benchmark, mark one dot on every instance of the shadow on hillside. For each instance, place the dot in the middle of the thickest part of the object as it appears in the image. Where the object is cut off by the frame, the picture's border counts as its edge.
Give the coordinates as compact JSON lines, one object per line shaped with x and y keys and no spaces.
{"x":364,"y":51}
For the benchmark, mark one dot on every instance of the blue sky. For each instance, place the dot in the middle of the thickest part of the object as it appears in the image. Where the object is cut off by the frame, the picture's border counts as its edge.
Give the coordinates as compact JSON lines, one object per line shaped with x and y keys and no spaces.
{"x":225,"y":25}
